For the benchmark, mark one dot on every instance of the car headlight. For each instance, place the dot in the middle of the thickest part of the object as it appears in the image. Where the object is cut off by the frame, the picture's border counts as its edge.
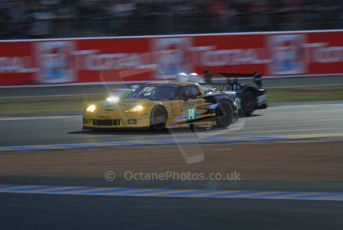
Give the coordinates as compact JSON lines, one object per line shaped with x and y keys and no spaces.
{"x":112,"y":99}
{"x":137,"y":108}
{"x":91,"y":108}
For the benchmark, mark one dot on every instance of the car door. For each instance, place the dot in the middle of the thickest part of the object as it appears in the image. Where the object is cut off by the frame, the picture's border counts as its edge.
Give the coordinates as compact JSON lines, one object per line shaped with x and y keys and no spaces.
{"x":186,"y":107}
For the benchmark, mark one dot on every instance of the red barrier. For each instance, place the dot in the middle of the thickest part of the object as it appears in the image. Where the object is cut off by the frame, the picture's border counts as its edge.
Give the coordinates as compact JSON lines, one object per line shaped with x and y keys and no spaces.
{"x":161,"y":57}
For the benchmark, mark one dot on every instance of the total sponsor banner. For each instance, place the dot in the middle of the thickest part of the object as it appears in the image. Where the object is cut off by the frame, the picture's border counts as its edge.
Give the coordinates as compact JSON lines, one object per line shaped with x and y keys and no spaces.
{"x":54,"y":61}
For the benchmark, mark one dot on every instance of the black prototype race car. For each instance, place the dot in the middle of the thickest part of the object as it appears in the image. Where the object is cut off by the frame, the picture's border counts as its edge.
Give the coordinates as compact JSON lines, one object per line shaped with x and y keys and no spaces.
{"x":251,"y":97}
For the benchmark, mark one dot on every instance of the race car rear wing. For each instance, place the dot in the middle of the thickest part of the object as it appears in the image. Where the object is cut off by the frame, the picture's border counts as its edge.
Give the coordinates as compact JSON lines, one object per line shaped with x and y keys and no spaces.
{"x":231,"y":78}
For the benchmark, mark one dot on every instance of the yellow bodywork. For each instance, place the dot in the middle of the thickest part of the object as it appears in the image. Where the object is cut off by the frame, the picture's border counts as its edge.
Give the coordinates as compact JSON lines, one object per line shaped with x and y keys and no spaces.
{"x":135,"y":113}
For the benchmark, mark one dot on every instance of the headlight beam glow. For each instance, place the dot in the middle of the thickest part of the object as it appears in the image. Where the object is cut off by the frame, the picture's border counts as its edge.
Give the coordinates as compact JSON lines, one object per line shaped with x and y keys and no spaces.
{"x":112,"y":99}
{"x":91,"y":108}
{"x":137,"y":108}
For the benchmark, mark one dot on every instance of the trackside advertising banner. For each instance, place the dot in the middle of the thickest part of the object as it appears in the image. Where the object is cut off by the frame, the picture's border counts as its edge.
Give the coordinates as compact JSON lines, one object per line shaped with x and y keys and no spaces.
{"x":147,"y":58}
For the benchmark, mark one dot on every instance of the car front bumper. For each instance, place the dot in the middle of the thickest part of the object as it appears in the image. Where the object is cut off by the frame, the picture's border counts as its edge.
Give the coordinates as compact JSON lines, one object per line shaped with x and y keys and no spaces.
{"x":93,"y":121}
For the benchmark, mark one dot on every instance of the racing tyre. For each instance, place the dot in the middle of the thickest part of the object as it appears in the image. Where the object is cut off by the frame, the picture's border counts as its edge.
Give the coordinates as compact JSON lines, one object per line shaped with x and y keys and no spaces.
{"x":224,"y":114}
{"x":158,"y":118}
{"x":249,"y":102}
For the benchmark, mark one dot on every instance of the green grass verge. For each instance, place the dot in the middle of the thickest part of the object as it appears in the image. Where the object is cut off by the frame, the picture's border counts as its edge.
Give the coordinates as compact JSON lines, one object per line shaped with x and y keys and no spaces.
{"x":75,"y":104}
{"x":305,"y":94}
{"x":46,"y":105}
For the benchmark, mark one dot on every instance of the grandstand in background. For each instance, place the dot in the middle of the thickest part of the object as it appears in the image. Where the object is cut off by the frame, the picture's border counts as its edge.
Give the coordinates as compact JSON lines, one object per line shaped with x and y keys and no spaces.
{"x":21,"y":19}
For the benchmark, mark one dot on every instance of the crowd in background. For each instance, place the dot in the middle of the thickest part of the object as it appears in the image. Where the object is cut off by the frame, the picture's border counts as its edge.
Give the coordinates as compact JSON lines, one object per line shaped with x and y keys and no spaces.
{"x":75,"y":18}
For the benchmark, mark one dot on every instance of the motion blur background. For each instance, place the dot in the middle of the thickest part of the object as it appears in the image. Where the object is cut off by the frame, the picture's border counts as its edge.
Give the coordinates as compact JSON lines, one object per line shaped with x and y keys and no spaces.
{"x":289,"y":155}
{"x":75,"y":18}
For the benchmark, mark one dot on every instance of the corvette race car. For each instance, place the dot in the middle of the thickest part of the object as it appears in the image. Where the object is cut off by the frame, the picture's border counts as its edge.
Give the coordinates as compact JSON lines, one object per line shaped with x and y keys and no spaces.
{"x":191,"y":100}
{"x":164,"y":105}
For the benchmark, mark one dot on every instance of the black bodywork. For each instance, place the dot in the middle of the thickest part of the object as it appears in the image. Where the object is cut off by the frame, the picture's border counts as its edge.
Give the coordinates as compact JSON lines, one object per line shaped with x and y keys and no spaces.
{"x":251,"y":97}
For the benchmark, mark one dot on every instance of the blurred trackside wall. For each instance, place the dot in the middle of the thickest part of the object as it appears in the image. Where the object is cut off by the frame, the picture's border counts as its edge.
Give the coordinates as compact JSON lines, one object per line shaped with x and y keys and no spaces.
{"x":112,"y":59}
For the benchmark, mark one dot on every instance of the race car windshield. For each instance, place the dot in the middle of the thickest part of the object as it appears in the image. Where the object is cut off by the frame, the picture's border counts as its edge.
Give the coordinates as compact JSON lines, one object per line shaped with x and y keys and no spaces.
{"x":156,"y":92}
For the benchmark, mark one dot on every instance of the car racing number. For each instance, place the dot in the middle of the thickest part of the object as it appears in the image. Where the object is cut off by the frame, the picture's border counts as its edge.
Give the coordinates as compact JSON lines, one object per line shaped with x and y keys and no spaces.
{"x":190,"y":113}
{"x":187,"y":110}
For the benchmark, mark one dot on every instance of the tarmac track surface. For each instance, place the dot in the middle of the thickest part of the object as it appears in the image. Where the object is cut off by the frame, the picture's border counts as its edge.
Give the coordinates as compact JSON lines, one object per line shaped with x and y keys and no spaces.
{"x":316,"y":122}
{"x":25,"y":211}
{"x":295,"y":121}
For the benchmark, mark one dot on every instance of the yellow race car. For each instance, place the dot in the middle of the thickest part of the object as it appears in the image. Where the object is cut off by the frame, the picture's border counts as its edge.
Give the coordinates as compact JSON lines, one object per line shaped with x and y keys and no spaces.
{"x":164,"y":105}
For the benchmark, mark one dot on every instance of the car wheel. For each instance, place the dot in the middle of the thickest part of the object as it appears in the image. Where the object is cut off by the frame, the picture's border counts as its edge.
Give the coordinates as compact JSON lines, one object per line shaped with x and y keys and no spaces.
{"x":158,"y":118}
{"x":249,"y":102}
{"x":224,"y":114}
